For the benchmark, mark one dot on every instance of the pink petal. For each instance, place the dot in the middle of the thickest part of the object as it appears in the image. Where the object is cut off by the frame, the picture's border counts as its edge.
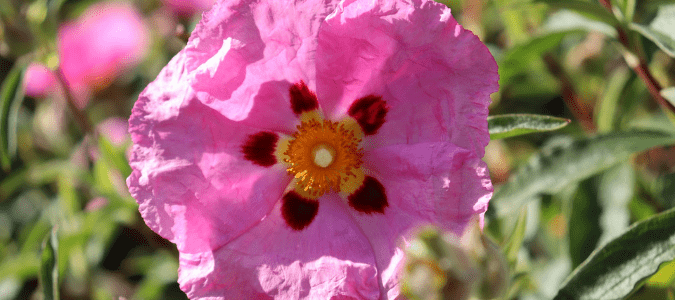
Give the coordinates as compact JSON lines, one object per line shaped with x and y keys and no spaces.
{"x":188,"y":7}
{"x":435,"y":76}
{"x":189,"y":174}
{"x":437,"y":183}
{"x":242,"y":49}
{"x":330,"y":259}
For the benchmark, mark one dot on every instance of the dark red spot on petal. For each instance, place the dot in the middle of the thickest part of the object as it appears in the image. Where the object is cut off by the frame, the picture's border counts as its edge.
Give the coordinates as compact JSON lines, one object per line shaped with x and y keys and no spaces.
{"x":369,"y":198}
{"x":259,"y":148}
{"x":369,"y":112}
{"x":297,"y":211}
{"x":302,"y":99}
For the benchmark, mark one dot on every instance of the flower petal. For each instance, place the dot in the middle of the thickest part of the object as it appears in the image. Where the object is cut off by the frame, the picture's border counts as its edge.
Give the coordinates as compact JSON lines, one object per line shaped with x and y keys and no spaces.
{"x":369,"y":198}
{"x":435,"y":76}
{"x":190,"y":177}
{"x":437,"y":183}
{"x":329,"y":259}
{"x":239,"y":46}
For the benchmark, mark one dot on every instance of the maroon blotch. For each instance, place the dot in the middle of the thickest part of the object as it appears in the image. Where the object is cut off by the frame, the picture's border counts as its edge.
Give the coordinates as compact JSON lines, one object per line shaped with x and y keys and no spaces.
{"x":259,"y":148}
{"x":369,"y":112}
{"x":369,"y":198}
{"x":297,"y":211}
{"x":302,"y":99}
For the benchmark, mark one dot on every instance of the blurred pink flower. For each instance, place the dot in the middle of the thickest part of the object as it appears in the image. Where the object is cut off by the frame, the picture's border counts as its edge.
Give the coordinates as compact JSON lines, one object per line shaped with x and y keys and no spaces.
{"x":291,"y":146}
{"x":39,"y":81}
{"x":188,"y":7}
{"x":96,"y":204}
{"x":115,"y":130}
{"x":107,"y":40}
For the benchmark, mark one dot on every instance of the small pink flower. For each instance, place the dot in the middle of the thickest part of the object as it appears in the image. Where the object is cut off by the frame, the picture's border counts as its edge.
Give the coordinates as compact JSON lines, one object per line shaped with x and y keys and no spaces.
{"x":115,"y":130}
{"x":188,"y":7}
{"x":292,"y":145}
{"x":107,"y":40}
{"x":39,"y":81}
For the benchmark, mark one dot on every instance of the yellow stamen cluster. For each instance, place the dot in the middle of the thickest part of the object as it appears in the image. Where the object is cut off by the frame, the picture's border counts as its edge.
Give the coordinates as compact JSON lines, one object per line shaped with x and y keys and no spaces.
{"x":321,"y":155}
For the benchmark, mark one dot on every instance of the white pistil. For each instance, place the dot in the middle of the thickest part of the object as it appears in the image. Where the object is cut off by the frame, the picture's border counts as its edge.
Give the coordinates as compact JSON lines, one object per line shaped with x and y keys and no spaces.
{"x":323,"y":156}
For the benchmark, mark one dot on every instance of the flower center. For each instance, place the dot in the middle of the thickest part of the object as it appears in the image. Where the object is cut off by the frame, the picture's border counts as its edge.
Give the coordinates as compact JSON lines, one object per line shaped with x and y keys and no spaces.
{"x":321,"y":155}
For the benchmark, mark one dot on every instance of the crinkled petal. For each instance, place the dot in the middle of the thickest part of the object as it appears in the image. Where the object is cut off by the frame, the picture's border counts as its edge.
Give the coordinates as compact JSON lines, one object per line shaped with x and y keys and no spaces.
{"x":330,"y":259}
{"x":435,"y":75}
{"x":190,"y":178}
{"x":437,"y":183}
{"x":243,"y":48}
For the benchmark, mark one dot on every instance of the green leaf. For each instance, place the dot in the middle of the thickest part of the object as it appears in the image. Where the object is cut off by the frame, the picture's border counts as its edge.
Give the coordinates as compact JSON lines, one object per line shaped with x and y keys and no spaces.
{"x":49,"y":270}
{"x":614,"y":270}
{"x":571,"y":161}
{"x":503,"y":126}
{"x":661,"y":30}
{"x":615,"y":190}
{"x":665,"y":42}
{"x":114,"y":156}
{"x":516,"y":60}
{"x":584,"y":229}
{"x":515,"y":241}
{"x":627,"y":8}
{"x":608,"y":106}
{"x":11,"y":93}
{"x":567,"y":20}
{"x":588,"y":9}
{"x":669,"y":94}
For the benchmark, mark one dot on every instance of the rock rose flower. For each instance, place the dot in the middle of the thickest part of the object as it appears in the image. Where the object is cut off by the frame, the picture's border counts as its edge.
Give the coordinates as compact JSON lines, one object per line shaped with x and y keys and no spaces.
{"x":292,"y":145}
{"x":108,"y":39}
{"x":39,"y":81}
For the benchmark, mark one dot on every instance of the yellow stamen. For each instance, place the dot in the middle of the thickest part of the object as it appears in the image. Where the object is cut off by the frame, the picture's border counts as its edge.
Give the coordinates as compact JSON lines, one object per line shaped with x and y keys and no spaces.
{"x":322,"y":156}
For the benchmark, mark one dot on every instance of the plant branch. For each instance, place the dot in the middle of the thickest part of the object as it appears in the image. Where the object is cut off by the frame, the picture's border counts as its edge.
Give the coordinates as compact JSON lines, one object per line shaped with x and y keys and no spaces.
{"x":636,"y":61}
{"x":79,"y":116}
{"x":570,"y":95}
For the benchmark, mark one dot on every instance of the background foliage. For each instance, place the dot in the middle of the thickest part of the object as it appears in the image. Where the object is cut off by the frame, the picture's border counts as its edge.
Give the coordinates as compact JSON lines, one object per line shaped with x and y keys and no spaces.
{"x":581,"y":157}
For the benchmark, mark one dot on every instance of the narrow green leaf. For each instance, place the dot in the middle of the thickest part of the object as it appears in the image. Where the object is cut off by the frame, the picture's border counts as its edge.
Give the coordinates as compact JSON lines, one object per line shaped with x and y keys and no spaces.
{"x":49,"y":270}
{"x":666,"y":43}
{"x":615,"y":190}
{"x":588,"y":9}
{"x":515,"y":241}
{"x":516,"y":60}
{"x":560,"y":165}
{"x":669,"y":94}
{"x":11,"y":93}
{"x":661,"y":30}
{"x":503,"y":126}
{"x":114,"y":156}
{"x":584,"y":219}
{"x":614,"y":270}
{"x":566,"y":20}
{"x":608,"y":105}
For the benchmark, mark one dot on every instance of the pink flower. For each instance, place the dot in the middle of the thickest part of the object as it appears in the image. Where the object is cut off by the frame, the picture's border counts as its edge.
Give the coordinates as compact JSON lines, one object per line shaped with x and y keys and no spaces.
{"x":188,"y":7}
{"x":107,"y":40}
{"x":115,"y":130}
{"x":39,"y":81}
{"x":291,"y":146}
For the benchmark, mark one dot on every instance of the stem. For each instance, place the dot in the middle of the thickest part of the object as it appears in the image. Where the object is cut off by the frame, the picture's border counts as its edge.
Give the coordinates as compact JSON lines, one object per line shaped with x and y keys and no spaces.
{"x":569,"y":94}
{"x":607,"y":4}
{"x":639,"y":65}
{"x":79,"y":116}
